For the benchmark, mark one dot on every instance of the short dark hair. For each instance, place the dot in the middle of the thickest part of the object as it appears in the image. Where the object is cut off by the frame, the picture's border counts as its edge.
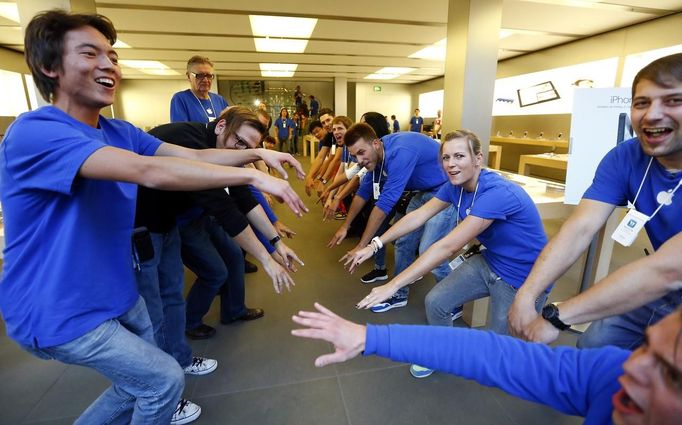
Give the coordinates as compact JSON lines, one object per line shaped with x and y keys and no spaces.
{"x":44,"y":43}
{"x":236,"y":116}
{"x":359,"y":131}
{"x":392,"y":117}
{"x":313,"y":125}
{"x":665,"y":72}
{"x":378,"y":123}
{"x":325,"y":111}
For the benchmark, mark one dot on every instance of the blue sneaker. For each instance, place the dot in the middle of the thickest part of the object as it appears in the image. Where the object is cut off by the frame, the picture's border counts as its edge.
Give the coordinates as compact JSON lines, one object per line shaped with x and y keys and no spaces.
{"x":391,"y":303}
{"x":420,"y":372}
{"x":457,"y":313}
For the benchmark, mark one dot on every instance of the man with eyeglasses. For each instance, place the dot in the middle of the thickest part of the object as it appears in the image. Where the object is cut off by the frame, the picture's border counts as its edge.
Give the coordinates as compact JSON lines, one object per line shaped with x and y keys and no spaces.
{"x":197,"y":103}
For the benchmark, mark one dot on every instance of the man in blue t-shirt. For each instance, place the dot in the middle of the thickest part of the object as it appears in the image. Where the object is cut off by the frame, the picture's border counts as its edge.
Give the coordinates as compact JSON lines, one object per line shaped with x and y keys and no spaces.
{"x":606,"y":386}
{"x":197,"y":103}
{"x":314,"y":107}
{"x":644,"y":174}
{"x":416,"y":122}
{"x":396,"y":163}
{"x":68,"y":182}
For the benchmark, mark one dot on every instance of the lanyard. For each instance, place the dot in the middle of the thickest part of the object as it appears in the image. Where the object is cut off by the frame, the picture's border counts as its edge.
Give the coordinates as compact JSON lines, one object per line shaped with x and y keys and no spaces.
{"x":204,"y":109}
{"x":381,"y":171}
{"x":663,"y":198}
{"x":459,"y":203}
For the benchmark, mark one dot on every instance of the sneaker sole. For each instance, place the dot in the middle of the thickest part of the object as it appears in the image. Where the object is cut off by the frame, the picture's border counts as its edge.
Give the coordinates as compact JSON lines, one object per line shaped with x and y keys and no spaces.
{"x":457,"y":315}
{"x":421,"y":375}
{"x":203,"y":372}
{"x":374,"y":280}
{"x":389,"y":307}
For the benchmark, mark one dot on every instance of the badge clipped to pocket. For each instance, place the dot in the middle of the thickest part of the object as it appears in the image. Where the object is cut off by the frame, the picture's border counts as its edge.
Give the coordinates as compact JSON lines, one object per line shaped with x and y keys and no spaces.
{"x":333,"y":149}
{"x":377,"y":191}
{"x":628,"y":229}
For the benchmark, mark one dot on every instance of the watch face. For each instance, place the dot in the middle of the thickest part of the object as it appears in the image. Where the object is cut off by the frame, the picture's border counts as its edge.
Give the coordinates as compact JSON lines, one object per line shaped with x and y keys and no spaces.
{"x":549,"y":311}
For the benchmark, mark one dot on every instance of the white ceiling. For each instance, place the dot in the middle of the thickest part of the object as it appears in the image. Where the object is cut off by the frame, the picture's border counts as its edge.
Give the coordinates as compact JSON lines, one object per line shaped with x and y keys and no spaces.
{"x":352,"y":39}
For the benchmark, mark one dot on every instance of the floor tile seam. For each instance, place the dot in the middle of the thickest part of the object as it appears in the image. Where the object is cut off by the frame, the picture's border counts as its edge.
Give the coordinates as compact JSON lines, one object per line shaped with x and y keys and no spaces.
{"x":492,"y":394}
{"x":263,"y":387}
{"x":42,"y":397}
{"x":343,"y":400}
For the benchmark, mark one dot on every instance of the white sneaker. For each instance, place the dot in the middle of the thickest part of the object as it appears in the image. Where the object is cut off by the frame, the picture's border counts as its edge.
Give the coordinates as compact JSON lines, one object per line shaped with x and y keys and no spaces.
{"x":201,"y":366}
{"x":185,"y":413}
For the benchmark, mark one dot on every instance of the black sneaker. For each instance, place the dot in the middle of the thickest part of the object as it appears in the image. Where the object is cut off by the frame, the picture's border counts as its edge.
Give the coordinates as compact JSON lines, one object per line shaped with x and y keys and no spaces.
{"x":374,"y":275}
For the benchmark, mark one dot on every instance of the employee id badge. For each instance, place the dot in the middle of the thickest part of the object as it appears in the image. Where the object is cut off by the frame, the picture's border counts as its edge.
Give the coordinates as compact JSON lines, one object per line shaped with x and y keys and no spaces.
{"x":456,"y":262}
{"x":628,"y":229}
{"x":333,"y":149}
{"x":377,"y":191}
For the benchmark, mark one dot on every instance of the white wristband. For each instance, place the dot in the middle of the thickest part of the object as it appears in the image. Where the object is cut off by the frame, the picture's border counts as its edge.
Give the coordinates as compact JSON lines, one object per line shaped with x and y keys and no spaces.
{"x":377,"y":241}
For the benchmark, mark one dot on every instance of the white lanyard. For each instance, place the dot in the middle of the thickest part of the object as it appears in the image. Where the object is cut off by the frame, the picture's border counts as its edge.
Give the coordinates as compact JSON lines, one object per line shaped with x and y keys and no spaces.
{"x":375,"y":185}
{"x":459,"y":203}
{"x":663,"y":198}
{"x":204,"y":109}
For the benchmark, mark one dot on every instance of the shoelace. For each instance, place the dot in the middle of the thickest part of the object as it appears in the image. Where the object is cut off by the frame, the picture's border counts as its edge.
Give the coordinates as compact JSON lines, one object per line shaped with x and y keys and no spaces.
{"x":197,"y":361}
{"x":181,"y":406}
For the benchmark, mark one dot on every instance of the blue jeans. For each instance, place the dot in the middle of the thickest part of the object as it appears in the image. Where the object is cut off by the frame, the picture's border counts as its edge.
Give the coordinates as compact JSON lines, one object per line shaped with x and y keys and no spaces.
{"x":435,"y":229}
{"x":627,"y":330}
{"x":146,"y":382}
{"x":161,"y":282}
{"x":473,"y":279}
{"x":218,"y":262}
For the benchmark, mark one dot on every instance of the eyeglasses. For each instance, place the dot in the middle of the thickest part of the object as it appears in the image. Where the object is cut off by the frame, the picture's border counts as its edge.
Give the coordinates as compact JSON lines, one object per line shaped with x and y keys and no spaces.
{"x":241,"y":143}
{"x":202,"y":76}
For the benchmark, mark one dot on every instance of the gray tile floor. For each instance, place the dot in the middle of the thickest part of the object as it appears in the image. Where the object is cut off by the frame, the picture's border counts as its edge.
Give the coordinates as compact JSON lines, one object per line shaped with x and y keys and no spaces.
{"x":266,"y":376}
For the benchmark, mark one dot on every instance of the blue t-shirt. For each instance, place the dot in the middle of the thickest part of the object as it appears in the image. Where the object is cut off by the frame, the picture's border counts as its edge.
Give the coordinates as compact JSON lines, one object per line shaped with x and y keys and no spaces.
{"x":411,"y":162}
{"x":618,"y":177}
{"x":572,"y":381}
{"x":314,"y":106}
{"x":283,"y":126}
{"x":396,"y":126}
{"x":68,"y":258}
{"x":416,"y":124}
{"x":515,"y":237}
{"x":187,"y":107}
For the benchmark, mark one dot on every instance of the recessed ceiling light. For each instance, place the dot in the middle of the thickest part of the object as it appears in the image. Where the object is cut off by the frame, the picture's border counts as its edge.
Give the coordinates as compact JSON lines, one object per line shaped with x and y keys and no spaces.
{"x":389,"y":73}
{"x":281,"y":26}
{"x":9,"y":11}
{"x":148,"y":67}
{"x":278,"y":69}
{"x":378,"y":76}
{"x":435,"y":52}
{"x":121,"y":45}
{"x":280,"y":45}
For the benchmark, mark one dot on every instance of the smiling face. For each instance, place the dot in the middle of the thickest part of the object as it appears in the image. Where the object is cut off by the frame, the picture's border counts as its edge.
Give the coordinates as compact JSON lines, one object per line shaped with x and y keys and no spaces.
{"x":651,"y":391}
{"x":89,"y":74}
{"x":367,"y":153}
{"x":246,"y":137}
{"x":656,"y":115}
{"x":202,"y":85}
{"x":339,"y":130}
{"x":461,"y":167}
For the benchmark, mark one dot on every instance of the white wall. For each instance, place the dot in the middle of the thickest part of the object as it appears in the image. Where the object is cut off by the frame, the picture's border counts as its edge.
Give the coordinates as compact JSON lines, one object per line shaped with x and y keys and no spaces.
{"x":146,"y":103}
{"x":393,"y":99}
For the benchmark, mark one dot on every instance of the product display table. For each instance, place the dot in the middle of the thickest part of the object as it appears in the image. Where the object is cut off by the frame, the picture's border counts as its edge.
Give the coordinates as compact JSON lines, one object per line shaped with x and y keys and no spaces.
{"x":531,"y":142}
{"x":495,"y":156}
{"x":309,"y":143}
{"x":549,"y":160}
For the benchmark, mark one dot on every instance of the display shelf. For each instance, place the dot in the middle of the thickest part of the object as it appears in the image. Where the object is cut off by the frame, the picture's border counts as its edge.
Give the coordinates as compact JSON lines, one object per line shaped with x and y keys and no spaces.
{"x":531,"y":142}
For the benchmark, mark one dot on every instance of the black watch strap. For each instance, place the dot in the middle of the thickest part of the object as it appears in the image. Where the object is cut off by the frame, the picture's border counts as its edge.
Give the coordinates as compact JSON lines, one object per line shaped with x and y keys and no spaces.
{"x":274,"y":240}
{"x":550,"y":312}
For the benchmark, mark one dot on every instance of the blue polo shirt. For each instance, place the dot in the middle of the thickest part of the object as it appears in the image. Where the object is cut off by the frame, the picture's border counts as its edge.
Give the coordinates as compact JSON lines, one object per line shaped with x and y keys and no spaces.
{"x":411,"y":162}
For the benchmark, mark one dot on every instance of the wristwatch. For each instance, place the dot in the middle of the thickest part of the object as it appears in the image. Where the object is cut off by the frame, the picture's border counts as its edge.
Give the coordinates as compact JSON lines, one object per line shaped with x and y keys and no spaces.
{"x":550,"y":313}
{"x":274,"y":240}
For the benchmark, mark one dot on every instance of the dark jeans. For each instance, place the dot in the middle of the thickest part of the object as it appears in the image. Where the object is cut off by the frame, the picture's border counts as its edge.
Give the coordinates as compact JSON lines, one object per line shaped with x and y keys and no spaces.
{"x":217,"y":261}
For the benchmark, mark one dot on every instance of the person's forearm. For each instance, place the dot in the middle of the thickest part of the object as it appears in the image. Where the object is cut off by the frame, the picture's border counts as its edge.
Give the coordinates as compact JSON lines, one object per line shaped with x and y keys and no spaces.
{"x":323,"y":168}
{"x":339,"y":179}
{"x":558,"y":255}
{"x":260,"y":221}
{"x":348,"y":189}
{"x":261,"y":166}
{"x":315,"y":168}
{"x":355,"y":207}
{"x":333,"y":165}
{"x":409,"y":223}
{"x":376,"y":217}
{"x":248,"y":241}
{"x":629,"y":287}
{"x":229,"y":157}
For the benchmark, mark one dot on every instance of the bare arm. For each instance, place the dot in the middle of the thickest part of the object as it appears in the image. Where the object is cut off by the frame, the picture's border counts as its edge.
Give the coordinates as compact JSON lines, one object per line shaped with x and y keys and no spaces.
{"x":177,"y":173}
{"x":559,"y":254}
{"x":467,"y":230}
{"x":355,"y":208}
